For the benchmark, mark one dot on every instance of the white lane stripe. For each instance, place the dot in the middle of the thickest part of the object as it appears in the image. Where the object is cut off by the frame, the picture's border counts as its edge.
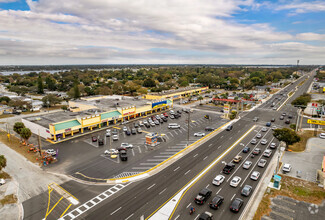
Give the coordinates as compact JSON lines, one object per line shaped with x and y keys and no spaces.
{"x":187,"y":172}
{"x":188,"y":205}
{"x":161,"y":156}
{"x":177,"y":217}
{"x":152,"y":160}
{"x":115,"y":211}
{"x":177,"y":168}
{"x":148,"y":164}
{"x":232,"y":197}
{"x":151,"y":186}
{"x":195,"y":155}
{"x":129,"y":216}
{"x":205,"y":158}
{"x":141,"y":168}
{"x":219,"y":191}
{"x":221,"y":137}
{"x":162,"y":191}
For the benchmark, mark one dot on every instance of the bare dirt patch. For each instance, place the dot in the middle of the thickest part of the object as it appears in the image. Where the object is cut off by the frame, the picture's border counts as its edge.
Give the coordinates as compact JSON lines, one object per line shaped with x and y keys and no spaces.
{"x":8,"y":199}
{"x":294,"y":188}
{"x":301,"y":145}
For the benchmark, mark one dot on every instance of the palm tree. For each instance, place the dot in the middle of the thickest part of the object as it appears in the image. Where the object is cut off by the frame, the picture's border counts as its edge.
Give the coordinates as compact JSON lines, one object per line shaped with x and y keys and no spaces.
{"x":200,"y":98}
{"x":25,"y":133}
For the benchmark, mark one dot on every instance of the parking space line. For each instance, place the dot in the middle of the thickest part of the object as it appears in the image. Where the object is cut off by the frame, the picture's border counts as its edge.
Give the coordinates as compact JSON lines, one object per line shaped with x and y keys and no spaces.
{"x":167,"y":153}
{"x":139,"y":149}
{"x":175,"y":132}
{"x":172,"y":150}
{"x":133,"y":152}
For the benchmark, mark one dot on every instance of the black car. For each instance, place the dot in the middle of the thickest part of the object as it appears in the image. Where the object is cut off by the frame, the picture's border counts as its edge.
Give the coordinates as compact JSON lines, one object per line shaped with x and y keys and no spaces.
{"x":289,"y":116}
{"x":268,"y":124}
{"x":287,"y":121}
{"x":177,"y":115}
{"x":179,"y":111}
{"x":100,"y":141}
{"x":161,"y":121}
{"x":281,"y":117}
{"x":229,"y":128}
{"x":147,"y":125}
{"x":236,"y":205}
{"x":246,"y":191}
{"x":128,"y":132}
{"x":228,"y":168}
{"x":246,"y":149}
{"x":136,"y":125}
{"x":209,"y":129}
{"x":123,"y":155}
{"x":164,"y":119}
{"x":133,"y":131}
{"x":216,"y":202}
{"x":273,"y":120}
{"x":203,"y":196}
{"x":205,"y":216}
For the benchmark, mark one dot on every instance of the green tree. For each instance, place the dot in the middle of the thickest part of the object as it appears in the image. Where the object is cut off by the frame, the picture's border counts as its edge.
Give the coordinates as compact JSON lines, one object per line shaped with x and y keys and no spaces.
{"x":301,"y":100}
{"x":25,"y":133}
{"x":76,"y":91}
{"x":293,"y":126}
{"x":200,"y":98}
{"x":50,"y":100}
{"x":40,"y":86}
{"x":3,"y":162}
{"x":149,"y":82}
{"x":288,"y":136}
{"x":5,"y":100}
{"x":18,"y":126}
{"x":50,"y":83}
{"x":233,"y":115}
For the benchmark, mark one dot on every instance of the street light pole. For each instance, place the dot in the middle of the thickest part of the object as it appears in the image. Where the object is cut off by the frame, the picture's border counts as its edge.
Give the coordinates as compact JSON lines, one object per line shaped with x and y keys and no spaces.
{"x":188,"y":128}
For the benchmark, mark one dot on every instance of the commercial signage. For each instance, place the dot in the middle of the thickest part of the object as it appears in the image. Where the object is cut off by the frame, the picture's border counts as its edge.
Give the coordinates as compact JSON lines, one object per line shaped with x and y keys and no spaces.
{"x":128,"y":110}
{"x":68,"y":129}
{"x":128,"y":113}
{"x":159,"y":104}
{"x":315,"y":122}
{"x":226,"y":108}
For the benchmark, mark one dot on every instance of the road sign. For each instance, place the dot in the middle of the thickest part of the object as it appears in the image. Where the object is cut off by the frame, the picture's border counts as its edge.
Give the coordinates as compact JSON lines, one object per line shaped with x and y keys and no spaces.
{"x":315,"y":122}
{"x":226,"y":108}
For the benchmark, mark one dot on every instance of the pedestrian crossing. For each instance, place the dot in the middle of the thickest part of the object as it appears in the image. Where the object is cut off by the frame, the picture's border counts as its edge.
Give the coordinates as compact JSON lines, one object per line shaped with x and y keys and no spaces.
{"x":125,"y":174}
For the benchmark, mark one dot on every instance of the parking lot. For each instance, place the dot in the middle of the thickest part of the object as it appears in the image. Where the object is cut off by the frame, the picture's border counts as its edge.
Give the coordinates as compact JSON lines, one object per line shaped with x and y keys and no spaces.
{"x":82,"y":157}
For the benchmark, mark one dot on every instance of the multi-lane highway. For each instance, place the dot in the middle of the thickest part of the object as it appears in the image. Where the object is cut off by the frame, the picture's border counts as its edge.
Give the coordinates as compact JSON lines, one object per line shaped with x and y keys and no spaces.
{"x":143,"y":198}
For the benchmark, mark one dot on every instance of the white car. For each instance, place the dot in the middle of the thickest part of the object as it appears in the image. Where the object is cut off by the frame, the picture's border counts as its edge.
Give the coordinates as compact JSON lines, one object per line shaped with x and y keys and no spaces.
{"x":125,"y":128}
{"x":235,"y":181}
{"x":115,"y":137}
{"x":263,"y":141}
{"x":108,"y":133}
{"x":273,"y":145}
{"x":322,"y":135}
{"x":126,"y":145}
{"x":286,"y":168}
{"x":2,"y":181}
{"x":255,"y":175}
{"x":51,"y":152}
{"x":141,"y":124}
{"x":274,"y":127}
{"x":247,"y":164}
{"x":199,"y":134}
{"x":111,"y":151}
{"x":152,"y":124}
{"x":218,"y":180}
{"x":264,"y":129}
{"x":267,"y":153}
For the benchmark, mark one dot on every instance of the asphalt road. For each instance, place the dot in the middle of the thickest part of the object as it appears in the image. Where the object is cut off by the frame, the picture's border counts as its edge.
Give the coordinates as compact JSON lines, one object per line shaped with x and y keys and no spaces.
{"x":144,"y":197}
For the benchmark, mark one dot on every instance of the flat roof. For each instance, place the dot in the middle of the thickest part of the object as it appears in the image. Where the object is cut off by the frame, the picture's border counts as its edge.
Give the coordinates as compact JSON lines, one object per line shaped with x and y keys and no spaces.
{"x":187,"y":89}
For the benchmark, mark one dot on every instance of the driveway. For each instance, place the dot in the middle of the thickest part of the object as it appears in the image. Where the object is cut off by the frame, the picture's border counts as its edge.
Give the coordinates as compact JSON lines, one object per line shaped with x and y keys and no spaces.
{"x":309,"y":161}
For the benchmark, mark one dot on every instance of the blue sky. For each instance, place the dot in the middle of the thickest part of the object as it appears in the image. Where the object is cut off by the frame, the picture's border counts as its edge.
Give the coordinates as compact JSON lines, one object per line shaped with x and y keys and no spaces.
{"x":155,"y":31}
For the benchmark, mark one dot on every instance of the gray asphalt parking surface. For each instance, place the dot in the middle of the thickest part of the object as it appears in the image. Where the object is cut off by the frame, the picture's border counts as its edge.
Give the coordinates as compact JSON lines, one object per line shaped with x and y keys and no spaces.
{"x":82,"y":156}
{"x":287,"y":208}
{"x":308,"y":161}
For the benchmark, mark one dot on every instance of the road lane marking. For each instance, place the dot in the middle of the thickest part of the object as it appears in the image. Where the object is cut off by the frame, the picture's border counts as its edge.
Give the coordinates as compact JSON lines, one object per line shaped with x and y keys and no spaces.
{"x":151,"y":186}
{"x":116,"y":210}
{"x":129,"y":216}
{"x":195,"y":155}
{"x":207,"y":186}
{"x":197,"y":216}
{"x":162,"y":191}
{"x":221,"y":137}
{"x":176,"y":169}
{"x":219,"y":190}
{"x":187,"y":172}
{"x":205,"y":158}
{"x":133,"y":152}
{"x":230,"y":138}
{"x":232,"y":197}
{"x":210,"y":145}
{"x":139,"y":149}
{"x":188,"y":205}
{"x":177,"y":217}
{"x":219,"y":146}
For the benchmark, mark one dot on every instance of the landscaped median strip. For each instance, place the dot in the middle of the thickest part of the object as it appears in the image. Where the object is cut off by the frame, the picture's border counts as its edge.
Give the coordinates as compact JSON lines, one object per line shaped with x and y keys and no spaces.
{"x":168,"y":208}
{"x":145,"y":173}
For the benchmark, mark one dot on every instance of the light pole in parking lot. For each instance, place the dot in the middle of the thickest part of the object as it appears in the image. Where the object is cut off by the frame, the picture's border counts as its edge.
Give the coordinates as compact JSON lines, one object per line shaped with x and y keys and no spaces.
{"x":188,"y":127}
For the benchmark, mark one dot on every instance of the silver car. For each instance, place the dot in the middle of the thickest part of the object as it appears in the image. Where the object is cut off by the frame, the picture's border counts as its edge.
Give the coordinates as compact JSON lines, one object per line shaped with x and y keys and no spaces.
{"x":262,"y":163}
{"x":263,"y":141}
{"x":247,"y":164}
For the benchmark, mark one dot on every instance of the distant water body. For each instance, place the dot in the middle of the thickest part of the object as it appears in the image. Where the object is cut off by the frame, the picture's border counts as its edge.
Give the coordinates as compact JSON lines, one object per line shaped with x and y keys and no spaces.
{"x":26,"y":72}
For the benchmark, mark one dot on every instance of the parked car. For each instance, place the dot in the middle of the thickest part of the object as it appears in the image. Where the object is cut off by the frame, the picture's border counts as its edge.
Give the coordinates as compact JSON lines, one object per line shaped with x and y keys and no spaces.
{"x":216,"y":202}
{"x":51,"y":152}
{"x":139,"y":130}
{"x":114,"y":132}
{"x":128,"y":132}
{"x":281,"y":117}
{"x":255,"y":175}
{"x":246,"y":191}
{"x":262,"y":163}
{"x":141,"y":124}
{"x":166,"y":115}
{"x":264,"y":129}
{"x":228,"y":168}
{"x":237,"y":159}
{"x":100,"y":141}
{"x":246,"y":149}
{"x":125,"y":128}
{"x":203,"y":196}
{"x":199,"y":134}
{"x":123,"y":155}
{"x":322,"y":135}
{"x":286,"y":168}
{"x":115,"y":137}
{"x":289,"y":116}
{"x":263,"y":141}
{"x":287,"y":121}
{"x":268,"y":124}
{"x":126,"y":145}
{"x":173,"y":125}
{"x":111,"y":151}
{"x":209,"y":129}
{"x":172,"y":116}
{"x":247,"y":164}
{"x":156,"y":122}
{"x":108,"y":133}
{"x":273,"y":145}
{"x":235,"y":181}
{"x":236,"y":205}
{"x":94,"y":139}
{"x":283,"y":114}
{"x":229,"y":128}
{"x":273,"y":120}
{"x":164,"y":119}
{"x":274,"y":127}
{"x":218,"y":180}
{"x":267,"y":153}
{"x":255,"y":119}
{"x":2,"y":181}
{"x":152,"y":124}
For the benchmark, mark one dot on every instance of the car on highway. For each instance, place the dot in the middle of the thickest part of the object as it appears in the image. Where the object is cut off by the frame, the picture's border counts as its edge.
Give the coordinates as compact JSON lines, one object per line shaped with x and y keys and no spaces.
{"x":261,"y":163}
{"x":203,"y":196}
{"x":115,"y":137}
{"x":322,"y":135}
{"x":229,"y":128}
{"x":199,"y":134}
{"x":253,"y":141}
{"x":209,"y":129}
{"x":94,"y":139}
{"x":126,"y":145}
{"x":273,"y":120}
{"x":287,"y":121}
{"x":216,"y":202}
{"x":263,"y":141}
{"x":133,"y":131}
{"x":108,"y":133}
{"x":173,"y":125}
{"x":247,"y":164}
{"x":111,"y":151}
{"x":235,"y":181}
{"x":125,"y":128}
{"x":237,"y":159}
{"x":255,"y":175}
{"x":268,"y":124}
{"x":281,"y":117}
{"x":264,"y":129}
{"x":205,"y":216}
{"x":286,"y":168}
{"x":246,"y":191}
{"x":259,"y":135}
{"x":273,"y":145}
{"x":256,"y":151}
{"x":255,"y":119}
{"x":51,"y":152}
{"x":246,"y":149}
{"x":218,"y":180}
{"x":267,"y":153}
{"x":228,"y":168}
{"x":236,"y":205}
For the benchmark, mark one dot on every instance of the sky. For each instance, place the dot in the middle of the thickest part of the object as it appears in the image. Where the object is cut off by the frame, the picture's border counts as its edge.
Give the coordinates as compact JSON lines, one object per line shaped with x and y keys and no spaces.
{"x":48,"y":32}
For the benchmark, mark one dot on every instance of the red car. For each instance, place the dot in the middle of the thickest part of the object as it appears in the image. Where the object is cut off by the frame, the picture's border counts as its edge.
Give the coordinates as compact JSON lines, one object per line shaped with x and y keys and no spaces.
{"x":94,"y":139}
{"x":165,"y":114}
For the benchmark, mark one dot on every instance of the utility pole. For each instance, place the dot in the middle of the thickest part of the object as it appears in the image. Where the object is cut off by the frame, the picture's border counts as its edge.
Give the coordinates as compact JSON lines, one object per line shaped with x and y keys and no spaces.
{"x":39,"y":144}
{"x":188,"y":127}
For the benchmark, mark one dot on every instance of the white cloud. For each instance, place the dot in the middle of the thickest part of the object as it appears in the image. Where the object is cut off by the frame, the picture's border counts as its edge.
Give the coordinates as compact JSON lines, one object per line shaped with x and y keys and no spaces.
{"x":311,"y":37}
{"x":123,"y":31}
{"x":7,"y":1}
{"x":303,"y":7}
